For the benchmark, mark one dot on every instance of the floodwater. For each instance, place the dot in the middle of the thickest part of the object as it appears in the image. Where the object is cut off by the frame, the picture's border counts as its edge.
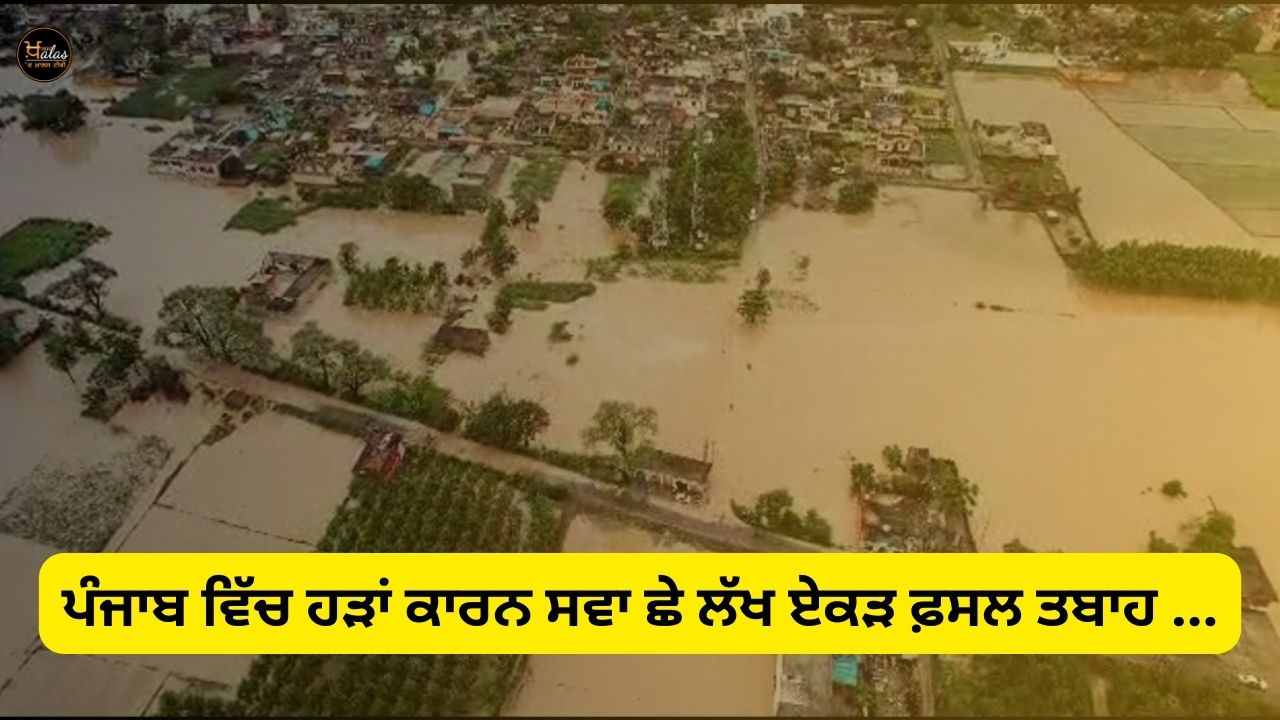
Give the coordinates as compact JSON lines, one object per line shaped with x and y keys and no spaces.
{"x":1128,"y":193}
{"x":1064,"y":412}
{"x":640,"y":684}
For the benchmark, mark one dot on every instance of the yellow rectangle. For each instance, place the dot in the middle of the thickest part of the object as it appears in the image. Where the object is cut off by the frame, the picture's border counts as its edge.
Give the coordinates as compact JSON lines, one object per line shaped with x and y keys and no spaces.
{"x":1199,"y":586}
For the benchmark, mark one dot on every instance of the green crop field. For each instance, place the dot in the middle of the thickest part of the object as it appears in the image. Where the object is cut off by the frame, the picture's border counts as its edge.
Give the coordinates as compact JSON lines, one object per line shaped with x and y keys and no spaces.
{"x":1210,"y":146}
{"x":436,"y":504}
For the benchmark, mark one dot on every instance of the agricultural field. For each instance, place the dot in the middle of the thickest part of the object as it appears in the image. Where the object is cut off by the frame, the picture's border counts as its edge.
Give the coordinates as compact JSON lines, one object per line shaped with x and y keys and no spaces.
{"x":436,"y":504}
{"x":260,"y":478}
{"x":173,"y":96}
{"x":1263,"y":73}
{"x":264,"y":216}
{"x":1229,"y":152}
{"x":1233,"y":147}
{"x":41,"y":243}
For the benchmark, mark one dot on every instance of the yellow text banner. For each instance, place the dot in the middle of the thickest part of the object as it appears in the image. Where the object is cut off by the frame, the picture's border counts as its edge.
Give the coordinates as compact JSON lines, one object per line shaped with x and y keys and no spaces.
{"x":674,"y":603}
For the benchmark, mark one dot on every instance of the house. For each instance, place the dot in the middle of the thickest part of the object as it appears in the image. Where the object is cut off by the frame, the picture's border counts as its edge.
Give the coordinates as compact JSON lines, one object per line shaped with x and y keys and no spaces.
{"x":284,"y":277}
{"x":382,"y":455}
{"x":899,"y":150}
{"x":185,"y":156}
{"x":1027,"y":140}
{"x":682,"y":478}
{"x":455,"y":337}
{"x":478,"y":174}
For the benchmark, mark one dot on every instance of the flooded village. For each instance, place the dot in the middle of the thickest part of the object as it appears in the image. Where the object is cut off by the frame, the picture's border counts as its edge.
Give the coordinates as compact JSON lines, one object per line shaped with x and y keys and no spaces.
{"x":620,"y":278}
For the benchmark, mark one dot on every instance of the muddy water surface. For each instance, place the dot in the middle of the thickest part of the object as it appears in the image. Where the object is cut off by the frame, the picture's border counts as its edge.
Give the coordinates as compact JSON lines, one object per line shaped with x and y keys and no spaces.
{"x":1064,"y":411}
{"x":641,"y":685}
{"x":1128,"y":193}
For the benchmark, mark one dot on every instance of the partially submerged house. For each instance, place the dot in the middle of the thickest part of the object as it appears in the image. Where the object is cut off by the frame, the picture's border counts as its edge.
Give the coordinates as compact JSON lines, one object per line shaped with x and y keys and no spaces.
{"x":456,"y":337}
{"x":683,"y":479}
{"x":382,"y":455}
{"x":284,"y":277}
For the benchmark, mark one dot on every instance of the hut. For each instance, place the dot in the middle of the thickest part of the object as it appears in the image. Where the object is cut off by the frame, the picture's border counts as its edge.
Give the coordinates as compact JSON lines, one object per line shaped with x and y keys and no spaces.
{"x":382,"y":455}
{"x":456,"y":337}
{"x":284,"y":277}
{"x":682,"y":478}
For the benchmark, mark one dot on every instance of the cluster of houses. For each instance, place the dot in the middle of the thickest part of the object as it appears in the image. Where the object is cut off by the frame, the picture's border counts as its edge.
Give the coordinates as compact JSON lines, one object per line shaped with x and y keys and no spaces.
{"x":858,"y":84}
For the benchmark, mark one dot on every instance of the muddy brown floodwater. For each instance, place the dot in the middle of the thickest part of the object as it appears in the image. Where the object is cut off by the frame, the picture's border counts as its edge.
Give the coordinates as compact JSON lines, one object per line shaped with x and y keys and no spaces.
{"x":640,"y":684}
{"x":1064,"y":412}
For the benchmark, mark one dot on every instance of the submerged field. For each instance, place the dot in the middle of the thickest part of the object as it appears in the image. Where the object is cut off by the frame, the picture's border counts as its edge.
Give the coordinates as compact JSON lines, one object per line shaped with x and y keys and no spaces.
{"x":642,"y":684}
{"x":1224,"y":142}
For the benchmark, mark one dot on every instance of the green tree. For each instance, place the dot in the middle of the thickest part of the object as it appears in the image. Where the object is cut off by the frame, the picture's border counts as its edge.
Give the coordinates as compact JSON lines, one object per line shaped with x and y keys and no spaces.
{"x":415,"y":193}
{"x":506,"y":423}
{"x":499,"y":318}
{"x":526,"y":212}
{"x":210,"y":320}
{"x":314,"y":350}
{"x":357,"y":367}
{"x":495,"y":249}
{"x":754,"y":305}
{"x":62,"y":351}
{"x":86,"y":285}
{"x":1214,"y":533}
{"x":623,"y":426}
{"x":61,"y":112}
{"x":618,"y":209}
{"x":856,"y":195}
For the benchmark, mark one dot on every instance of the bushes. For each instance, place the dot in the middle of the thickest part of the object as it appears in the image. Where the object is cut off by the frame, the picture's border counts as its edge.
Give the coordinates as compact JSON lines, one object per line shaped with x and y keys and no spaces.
{"x":622,"y":198}
{"x":856,"y":195}
{"x":772,"y":512}
{"x":416,"y":193}
{"x":537,"y":180}
{"x":395,"y":285}
{"x":506,"y":423}
{"x":417,"y":398}
{"x":1217,"y":273}
{"x":537,"y":294}
{"x":37,"y":244}
{"x":61,"y":112}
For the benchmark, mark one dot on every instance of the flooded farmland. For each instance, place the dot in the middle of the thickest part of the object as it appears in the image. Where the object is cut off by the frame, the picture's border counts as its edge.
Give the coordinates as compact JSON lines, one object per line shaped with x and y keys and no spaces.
{"x":640,"y":684}
{"x":1066,"y":405}
{"x":1128,"y":193}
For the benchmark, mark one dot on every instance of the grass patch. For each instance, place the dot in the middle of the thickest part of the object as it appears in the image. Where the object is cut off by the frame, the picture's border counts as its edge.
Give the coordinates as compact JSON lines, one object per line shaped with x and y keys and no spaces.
{"x":263,"y":215}
{"x":538,"y":295}
{"x":942,"y":148}
{"x":1209,"y":146}
{"x":1026,"y":184}
{"x":37,"y":244}
{"x":173,"y":95}
{"x":538,"y":179}
{"x":1263,"y":73}
{"x":611,"y":268}
{"x":1216,"y":273}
